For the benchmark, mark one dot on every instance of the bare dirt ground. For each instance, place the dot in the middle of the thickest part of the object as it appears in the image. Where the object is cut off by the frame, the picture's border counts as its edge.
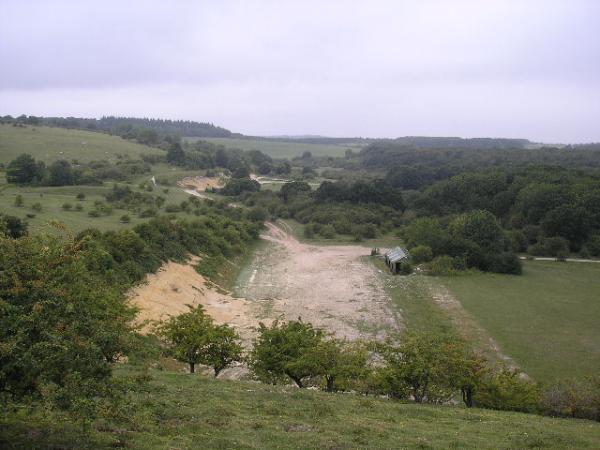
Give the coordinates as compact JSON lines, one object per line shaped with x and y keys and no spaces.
{"x":200,"y":184}
{"x":332,"y":287}
{"x":169,"y":291}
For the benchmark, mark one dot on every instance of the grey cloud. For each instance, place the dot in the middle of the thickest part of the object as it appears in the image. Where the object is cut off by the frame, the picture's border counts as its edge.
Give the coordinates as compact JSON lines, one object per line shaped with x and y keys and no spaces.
{"x":500,"y":67}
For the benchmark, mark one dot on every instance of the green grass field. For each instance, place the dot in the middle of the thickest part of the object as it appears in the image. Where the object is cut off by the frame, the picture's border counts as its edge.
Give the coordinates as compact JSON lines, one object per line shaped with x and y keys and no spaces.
{"x":548,"y":319}
{"x":52,"y":199}
{"x":49,"y":144}
{"x":182,"y":411}
{"x":281,"y":149}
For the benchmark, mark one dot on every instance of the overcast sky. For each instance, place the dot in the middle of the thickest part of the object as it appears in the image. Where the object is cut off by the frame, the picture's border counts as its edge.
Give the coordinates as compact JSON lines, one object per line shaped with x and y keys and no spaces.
{"x":501,"y":68}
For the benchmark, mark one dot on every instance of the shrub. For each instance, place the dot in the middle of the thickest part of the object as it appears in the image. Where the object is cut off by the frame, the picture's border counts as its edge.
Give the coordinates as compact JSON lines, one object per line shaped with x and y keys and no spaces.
{"x":172,"y":208}
{"x":94,"y":213}
{"x":193,"y":338}
{"x":327,"y":231}
{"x":506,"y":263}
{"x":578,"y":399}
{"x":257,"y":214}
{"x":67,"y":206}
{"x":421,"y":254}
{"x":125,"y":218}
{"x":36,"y":206}
{"x":309,"y":231}
{"x":549,"y":247}
{"x":406,"y":268}
{"x":442,"y":265}
{"x":78,"y":207}
{"x":80,"y":196}
{"x":508,"y":390}
{"x":149,"y":212}
{"x":280,"y":352}
{"x":592,"y":246}
{"x":19,"y":200}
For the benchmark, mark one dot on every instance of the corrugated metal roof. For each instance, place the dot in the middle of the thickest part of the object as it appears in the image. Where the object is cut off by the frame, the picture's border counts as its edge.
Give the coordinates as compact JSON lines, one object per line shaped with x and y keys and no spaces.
{"x":396,"y":254}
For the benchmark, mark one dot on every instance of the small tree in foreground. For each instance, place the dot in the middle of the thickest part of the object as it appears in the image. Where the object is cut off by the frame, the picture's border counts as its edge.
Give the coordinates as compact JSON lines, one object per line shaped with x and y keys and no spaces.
{"x":19,"y":200}
{"x":187,"y":335}
{"x":280,"y":351}
{"x":223,"y":348}
{"x":430,"y":368}
{"x":340,"y":363}
{"x":194,"y":339}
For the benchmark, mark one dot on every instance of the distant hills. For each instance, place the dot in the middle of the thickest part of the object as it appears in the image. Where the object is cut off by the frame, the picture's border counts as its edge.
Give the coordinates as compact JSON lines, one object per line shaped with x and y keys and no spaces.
{"x":124,"y":125}
{"x":132,"y":126}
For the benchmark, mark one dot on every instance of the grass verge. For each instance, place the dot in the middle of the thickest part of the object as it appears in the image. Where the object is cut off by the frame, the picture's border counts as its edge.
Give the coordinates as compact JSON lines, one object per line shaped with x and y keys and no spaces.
{"x":182,"y":411}
{"x":547,"y":319}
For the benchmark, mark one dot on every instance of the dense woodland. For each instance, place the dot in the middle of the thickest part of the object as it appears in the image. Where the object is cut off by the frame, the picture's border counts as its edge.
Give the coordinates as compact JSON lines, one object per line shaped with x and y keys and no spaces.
{"x":154,"y":132}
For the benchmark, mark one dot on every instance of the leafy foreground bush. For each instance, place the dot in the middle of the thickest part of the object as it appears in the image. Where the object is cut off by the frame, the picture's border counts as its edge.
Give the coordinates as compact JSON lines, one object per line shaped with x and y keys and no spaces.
{"x":193,"y":338}
{"x":64,"y":318}
{"x":423,"y":367}
{"x":59,"y":337}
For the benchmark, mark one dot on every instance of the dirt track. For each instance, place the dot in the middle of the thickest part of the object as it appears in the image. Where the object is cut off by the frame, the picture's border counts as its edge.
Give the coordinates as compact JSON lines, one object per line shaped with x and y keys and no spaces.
{"x":332,"y":287}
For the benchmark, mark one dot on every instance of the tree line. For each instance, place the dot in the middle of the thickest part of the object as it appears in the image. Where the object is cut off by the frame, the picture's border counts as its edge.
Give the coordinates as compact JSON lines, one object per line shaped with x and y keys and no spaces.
{"x":418,"y":366}
{"x":25,"y":170}
{"x":547,"y":211}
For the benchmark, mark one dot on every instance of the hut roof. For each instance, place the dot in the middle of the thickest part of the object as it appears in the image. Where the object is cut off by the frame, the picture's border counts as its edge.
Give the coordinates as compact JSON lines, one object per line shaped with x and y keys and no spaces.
{"x":396,"y":254}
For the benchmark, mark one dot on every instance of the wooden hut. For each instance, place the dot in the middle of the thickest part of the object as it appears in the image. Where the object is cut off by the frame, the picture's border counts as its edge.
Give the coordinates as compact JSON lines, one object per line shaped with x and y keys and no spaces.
{"x":394,"y":258}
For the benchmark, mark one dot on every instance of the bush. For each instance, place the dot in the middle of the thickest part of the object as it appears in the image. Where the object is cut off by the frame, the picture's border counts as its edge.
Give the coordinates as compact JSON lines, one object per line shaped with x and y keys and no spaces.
{"x":125,"y":218}
{"x":552,"y":246}
{"x":280,"y":352}
{"x":94,"y":213}
{"x":149,"y":212}
{"x":172,"y":208}
{"x":442,"y":265}
{"x":578,"y":399}
{"x":19,"y":200}
{"x":309,"y":231}
{"x":508,"y":390}
{"x":327,"y":231}
{"x":406,"y":268}
{"x":67,"y":206}
{"x":78,"y":207}
{"x":506,"y":263}
{"x":257,"y":214}
{"x":80,"y":196}
{"x":421,"y":254}
{"x":36,"y":206}
{"x":592,"y":246}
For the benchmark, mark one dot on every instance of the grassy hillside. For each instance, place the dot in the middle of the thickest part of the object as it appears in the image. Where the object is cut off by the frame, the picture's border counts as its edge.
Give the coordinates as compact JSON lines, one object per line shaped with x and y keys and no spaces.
{"x":49,"y":144}
{"x":182,"y":411}
{"x":281,"y":149}
{"x":547,"y":319}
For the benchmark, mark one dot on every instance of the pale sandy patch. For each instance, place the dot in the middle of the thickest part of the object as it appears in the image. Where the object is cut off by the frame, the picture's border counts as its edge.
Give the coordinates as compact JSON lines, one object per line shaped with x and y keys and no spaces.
{"x":169,"y":291}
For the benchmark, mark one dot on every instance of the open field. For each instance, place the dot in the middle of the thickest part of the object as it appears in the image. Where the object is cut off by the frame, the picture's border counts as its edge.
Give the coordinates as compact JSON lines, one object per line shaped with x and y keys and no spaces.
{"x":182,"y":411}
{"x":51,"y":200}
{"x":547,"y":319}
{"x":49,"y":144}
{"x":281,"y":149}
